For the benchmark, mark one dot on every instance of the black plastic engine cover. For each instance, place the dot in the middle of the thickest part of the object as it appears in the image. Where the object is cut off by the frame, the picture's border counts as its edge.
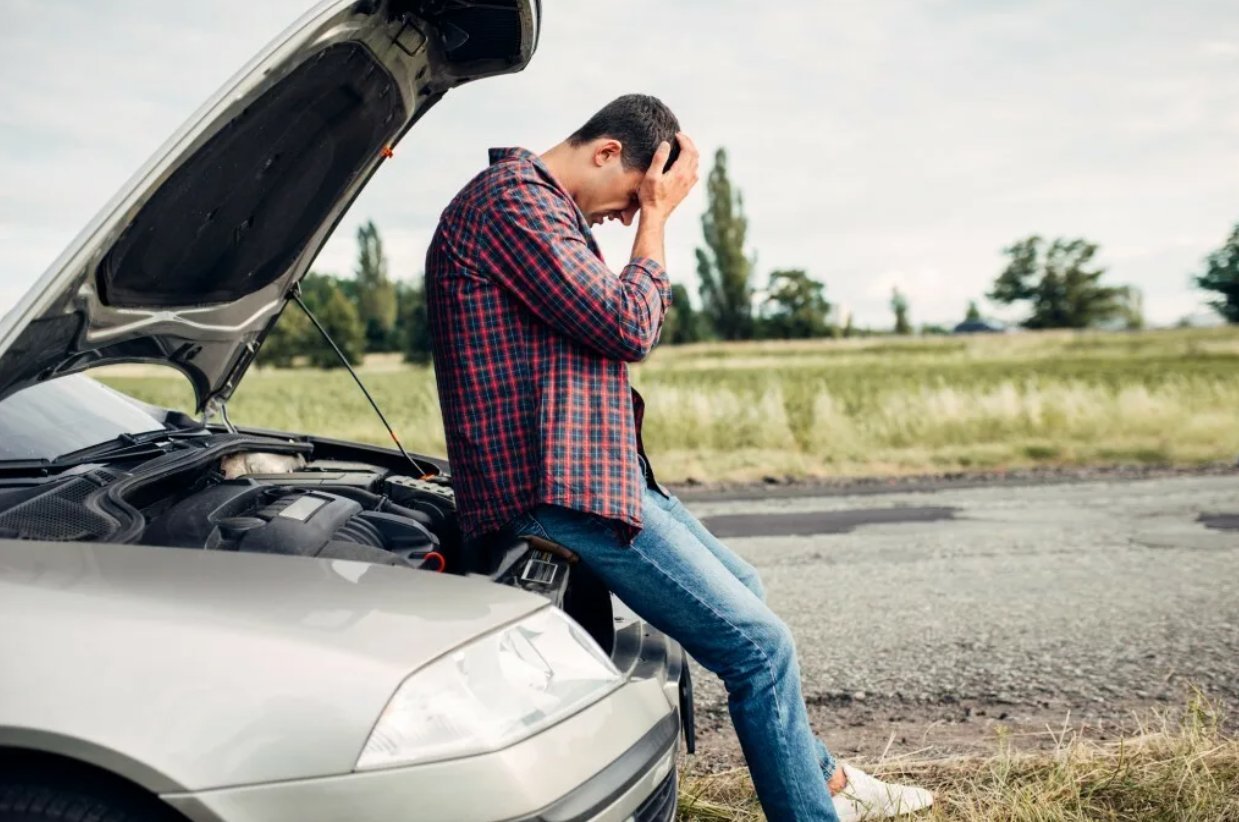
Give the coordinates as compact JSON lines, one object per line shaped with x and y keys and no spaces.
{"x":242,"y":515}
{"x":435,"y":500}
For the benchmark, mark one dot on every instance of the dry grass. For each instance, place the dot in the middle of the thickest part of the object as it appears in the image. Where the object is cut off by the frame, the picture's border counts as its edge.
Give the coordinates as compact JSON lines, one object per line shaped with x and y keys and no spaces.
{"x":1181,"y":768}
{"x":742,"y":411}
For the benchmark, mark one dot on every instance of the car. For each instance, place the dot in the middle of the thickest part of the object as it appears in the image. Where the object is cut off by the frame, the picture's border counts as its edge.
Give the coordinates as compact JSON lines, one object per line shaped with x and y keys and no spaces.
{"x":205,"y":622}
{"x":981,"y":326}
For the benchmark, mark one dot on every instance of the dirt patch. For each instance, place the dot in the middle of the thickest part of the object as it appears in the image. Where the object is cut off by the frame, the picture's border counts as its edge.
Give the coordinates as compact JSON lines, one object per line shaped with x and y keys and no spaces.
{"x":867,"y":730}
{"x":1220,"y":522}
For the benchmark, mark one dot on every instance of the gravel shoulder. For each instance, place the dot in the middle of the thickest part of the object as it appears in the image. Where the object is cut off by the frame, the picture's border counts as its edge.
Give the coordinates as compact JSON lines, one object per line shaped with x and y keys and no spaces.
{"x":1042,"y":607}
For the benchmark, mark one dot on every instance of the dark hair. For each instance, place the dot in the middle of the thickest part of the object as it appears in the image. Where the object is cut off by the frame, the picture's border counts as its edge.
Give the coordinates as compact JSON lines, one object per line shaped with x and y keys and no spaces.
{"x":640,"y":122}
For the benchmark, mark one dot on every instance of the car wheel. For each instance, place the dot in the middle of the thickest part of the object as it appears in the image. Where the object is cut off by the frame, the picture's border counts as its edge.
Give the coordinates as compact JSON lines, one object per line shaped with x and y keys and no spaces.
{"x":41,"y":800}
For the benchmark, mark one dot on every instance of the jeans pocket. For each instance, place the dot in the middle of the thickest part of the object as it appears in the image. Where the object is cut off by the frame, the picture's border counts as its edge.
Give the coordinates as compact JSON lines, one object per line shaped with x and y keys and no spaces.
{"x":524,"y":524}
{"x":568,"y":525}
{"x":614,"y":530}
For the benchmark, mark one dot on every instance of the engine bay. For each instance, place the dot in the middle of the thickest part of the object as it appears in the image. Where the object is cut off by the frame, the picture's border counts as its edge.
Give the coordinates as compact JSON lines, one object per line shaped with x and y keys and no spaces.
{"x":242,"y":499}
{"x":318,"y":520}
{"x":249,"y":494}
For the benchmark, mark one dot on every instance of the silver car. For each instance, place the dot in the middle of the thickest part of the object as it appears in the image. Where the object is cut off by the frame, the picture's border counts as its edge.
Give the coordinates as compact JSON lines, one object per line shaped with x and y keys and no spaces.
{"x":209,"y":623}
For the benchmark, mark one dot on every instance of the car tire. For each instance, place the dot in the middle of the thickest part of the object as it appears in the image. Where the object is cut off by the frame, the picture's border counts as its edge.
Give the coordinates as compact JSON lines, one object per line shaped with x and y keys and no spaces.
{"x":37,"y":800}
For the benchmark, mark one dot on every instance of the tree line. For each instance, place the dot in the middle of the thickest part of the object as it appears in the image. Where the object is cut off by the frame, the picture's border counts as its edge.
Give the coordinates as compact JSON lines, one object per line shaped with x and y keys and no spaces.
{"x":1056,"y":280}
{"x":367,"y":313}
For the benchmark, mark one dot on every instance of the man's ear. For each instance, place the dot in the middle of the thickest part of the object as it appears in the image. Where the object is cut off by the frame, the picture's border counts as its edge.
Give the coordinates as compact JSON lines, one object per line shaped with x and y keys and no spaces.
{"x":606,"y":150}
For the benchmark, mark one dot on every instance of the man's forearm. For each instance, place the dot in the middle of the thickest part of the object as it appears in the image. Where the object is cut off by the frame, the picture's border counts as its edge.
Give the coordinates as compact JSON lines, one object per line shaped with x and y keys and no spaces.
{"x":649,"y":240}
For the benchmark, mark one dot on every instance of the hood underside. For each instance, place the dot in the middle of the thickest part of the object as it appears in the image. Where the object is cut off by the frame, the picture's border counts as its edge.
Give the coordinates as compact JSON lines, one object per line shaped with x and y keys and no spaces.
{"x":194,"y":259}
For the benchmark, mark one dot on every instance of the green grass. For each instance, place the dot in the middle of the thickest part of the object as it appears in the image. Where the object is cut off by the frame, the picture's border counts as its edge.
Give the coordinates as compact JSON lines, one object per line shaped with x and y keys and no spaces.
{"x":742,"y":411}
{"x":1183,"y":769}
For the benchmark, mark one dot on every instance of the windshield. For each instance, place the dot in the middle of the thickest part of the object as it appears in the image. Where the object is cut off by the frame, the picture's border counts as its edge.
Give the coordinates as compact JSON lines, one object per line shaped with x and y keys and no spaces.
{"x":67,"y":414}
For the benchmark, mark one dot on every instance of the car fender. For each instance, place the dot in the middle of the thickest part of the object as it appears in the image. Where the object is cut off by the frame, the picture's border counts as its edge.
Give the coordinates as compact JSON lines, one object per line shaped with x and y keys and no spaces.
{"x":183,"y":669}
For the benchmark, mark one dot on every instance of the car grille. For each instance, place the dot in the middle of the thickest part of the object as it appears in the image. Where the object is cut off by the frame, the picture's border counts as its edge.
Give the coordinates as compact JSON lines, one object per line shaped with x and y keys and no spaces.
{"x":660,"y":806}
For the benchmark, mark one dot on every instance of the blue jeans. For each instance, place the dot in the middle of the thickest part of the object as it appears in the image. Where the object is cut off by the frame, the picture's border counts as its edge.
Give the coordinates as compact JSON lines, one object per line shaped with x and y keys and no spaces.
{"x":678,"y":577}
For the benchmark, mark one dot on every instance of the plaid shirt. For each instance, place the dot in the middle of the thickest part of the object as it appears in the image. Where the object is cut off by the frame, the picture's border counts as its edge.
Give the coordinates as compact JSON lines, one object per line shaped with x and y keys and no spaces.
{"x":532,"y":335}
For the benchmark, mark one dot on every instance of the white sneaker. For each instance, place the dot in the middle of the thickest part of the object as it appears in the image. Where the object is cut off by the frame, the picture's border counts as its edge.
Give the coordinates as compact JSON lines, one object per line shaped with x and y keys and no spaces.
{"x":865,"y":797}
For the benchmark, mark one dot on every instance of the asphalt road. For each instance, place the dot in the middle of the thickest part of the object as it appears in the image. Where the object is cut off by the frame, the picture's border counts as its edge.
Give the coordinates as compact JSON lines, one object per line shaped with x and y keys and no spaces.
{"x":924,"y":619}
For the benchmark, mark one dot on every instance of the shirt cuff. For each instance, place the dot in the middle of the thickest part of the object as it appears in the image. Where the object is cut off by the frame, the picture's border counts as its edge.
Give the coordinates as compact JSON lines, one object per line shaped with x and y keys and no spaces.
{"x":649,"y":265}
{"x":656,"y":272}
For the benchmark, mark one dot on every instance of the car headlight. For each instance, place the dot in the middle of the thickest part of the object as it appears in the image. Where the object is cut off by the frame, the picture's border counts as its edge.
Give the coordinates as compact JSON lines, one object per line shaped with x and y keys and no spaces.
{"x":492,"y":692}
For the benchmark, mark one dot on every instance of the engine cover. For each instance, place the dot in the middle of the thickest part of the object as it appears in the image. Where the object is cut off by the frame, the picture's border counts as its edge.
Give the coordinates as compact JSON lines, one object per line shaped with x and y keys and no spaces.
{"x":243,"y":515}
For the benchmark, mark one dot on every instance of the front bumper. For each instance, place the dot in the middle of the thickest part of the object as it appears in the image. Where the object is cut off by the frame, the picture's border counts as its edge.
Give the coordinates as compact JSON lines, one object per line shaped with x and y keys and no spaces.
{"x":614,"y":760}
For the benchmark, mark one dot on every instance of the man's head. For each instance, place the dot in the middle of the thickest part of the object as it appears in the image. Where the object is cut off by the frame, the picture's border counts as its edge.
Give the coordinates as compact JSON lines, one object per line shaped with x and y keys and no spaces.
{"x":606,"y":159}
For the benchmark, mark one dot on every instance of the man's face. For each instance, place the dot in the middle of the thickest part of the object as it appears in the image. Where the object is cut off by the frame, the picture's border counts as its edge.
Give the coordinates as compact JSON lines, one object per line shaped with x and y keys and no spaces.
{"x":611,"y":192}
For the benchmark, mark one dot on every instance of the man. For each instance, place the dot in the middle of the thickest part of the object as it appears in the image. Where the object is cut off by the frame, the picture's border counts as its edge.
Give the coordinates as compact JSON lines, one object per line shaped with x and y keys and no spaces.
{"x":532,"y":336}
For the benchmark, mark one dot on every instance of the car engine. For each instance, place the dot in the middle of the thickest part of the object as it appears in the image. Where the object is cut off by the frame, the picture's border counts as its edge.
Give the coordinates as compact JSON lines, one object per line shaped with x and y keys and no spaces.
{"x":327,"y":508}
{"x":245,"y":515}
{"x":248,"y":495}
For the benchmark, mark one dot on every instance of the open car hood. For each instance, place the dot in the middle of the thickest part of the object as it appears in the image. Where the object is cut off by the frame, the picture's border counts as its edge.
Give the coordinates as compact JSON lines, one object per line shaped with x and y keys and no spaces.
{"x":192,"y":262}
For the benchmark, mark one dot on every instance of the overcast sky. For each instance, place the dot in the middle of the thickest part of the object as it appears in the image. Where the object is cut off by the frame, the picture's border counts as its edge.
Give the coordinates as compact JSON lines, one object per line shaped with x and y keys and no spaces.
{"x":878,"y":143}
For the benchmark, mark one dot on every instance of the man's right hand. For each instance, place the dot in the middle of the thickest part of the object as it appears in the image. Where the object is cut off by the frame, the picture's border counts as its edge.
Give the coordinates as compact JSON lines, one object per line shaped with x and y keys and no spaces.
{"x":662,"y":191}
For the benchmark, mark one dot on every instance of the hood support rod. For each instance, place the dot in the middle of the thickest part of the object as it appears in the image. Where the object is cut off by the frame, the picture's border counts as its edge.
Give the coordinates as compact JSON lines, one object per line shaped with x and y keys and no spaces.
{"x":296,"y":295}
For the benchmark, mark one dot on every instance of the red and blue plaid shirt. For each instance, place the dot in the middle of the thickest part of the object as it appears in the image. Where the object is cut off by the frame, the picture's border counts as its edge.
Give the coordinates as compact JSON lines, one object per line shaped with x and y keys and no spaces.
{"x":532,"y":335}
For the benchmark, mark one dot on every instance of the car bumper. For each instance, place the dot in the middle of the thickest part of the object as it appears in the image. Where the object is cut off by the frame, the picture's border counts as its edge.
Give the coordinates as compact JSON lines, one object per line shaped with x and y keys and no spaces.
{"x":615,"y":760}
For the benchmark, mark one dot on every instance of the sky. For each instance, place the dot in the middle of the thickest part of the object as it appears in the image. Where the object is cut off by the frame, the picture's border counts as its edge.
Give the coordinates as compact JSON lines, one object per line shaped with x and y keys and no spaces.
{"x":878,"y":143}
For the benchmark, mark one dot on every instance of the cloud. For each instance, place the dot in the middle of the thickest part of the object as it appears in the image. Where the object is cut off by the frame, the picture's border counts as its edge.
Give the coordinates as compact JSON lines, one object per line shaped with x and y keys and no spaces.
{"x":1225,"y":49}
{"x":897,"y":142}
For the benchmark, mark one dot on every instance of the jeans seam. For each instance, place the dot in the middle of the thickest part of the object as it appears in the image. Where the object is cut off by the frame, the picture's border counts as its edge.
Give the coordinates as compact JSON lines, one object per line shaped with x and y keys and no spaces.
{"x":693,"y":594}
{"x":770,"y":666}
{"x":671,"y":504}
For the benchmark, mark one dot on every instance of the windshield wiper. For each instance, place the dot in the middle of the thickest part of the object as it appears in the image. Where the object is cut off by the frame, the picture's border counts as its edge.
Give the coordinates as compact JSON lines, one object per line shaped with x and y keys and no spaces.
{"x":126,"y":445}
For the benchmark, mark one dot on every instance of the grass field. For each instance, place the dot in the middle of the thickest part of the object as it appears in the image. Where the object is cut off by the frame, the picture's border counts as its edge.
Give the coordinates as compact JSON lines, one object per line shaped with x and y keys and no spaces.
{"x":1183,"y":769}
{"x":743,"y":411}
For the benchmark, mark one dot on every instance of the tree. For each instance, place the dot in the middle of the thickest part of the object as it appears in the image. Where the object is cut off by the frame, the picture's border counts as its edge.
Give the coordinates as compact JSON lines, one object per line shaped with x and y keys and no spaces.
{"x":288,"y":339}
{"x":799,"y":306}
{"x":413,"y":322}
{"x":1222,"y":275}
{"x":1131,"y":308}
{"x":899,"y":304}
{"x":316,"y":290}
{"x":681,"y":324}
{"x":339,"y":318}
{"x":974,"y":313}
{"x":723,"y":267}
{"x":376,"y":295}
{"x":1058,"y":282}
{"x":293,"y":335}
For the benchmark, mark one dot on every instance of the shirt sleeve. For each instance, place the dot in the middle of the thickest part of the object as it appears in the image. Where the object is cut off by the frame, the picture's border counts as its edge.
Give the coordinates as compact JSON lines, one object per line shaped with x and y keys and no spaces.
{"x":541,"y":256}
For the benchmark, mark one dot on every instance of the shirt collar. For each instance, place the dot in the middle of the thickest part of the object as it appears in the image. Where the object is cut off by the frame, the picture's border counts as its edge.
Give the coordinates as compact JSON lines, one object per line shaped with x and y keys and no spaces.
{"x":501,"y":155}
{"x":524,"y":155}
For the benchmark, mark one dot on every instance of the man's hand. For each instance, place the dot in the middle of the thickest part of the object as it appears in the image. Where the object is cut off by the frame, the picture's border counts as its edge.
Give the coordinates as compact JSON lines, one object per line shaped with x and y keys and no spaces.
{"x":661,"y":192}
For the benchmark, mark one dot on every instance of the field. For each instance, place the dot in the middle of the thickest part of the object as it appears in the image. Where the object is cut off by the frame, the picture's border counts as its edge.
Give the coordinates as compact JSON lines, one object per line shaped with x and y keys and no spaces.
{"x":879,"y":406}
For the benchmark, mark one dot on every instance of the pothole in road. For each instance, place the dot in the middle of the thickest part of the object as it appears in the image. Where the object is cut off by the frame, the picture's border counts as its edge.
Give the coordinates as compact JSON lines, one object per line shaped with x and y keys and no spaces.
{"x":821,"y":522}
{"x":1220,"y":522}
